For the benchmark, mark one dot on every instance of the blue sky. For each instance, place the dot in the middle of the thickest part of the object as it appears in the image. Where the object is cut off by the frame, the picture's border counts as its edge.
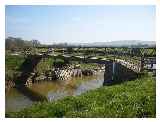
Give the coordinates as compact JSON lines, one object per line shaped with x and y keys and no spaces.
{"x":55,"y":24}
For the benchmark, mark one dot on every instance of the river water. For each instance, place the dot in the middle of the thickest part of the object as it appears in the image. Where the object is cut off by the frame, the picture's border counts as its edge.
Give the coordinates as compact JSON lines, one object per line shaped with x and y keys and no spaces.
{"x":53,"y":90}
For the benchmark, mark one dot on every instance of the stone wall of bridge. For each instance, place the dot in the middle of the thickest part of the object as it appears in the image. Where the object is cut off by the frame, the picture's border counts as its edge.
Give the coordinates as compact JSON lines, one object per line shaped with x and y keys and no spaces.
{"x":117,"y":73}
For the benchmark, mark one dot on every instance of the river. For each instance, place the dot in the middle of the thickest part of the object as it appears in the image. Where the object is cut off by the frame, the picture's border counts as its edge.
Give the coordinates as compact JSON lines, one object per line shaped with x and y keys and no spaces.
{"x":53,"y":90}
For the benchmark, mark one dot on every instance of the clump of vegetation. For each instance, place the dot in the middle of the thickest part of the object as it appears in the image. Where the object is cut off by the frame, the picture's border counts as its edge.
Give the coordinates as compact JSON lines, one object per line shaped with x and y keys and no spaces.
{"x":44,"y":65}
{"x":13,"y":64}
{"x":135,"y":98}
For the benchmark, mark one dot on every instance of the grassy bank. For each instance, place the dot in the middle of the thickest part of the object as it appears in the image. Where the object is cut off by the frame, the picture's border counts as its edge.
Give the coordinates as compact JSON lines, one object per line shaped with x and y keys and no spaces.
{"x":130,"y":99}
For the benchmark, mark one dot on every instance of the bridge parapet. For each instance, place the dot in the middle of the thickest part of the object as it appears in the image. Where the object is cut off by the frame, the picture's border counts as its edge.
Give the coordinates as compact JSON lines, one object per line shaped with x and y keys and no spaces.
{"x":136,"y":67}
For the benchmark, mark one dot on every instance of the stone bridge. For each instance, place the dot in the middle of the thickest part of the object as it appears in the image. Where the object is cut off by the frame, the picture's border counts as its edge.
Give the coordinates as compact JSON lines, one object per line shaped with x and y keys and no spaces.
{"x":134,"y":66}
{"x":116,"y":69}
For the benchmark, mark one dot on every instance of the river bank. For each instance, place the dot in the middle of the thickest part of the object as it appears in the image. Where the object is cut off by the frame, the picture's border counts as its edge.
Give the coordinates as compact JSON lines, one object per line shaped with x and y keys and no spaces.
{"x":135,"y":98}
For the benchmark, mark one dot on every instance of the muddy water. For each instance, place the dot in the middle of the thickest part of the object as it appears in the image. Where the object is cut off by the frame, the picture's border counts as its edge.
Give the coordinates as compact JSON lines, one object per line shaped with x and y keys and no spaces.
{"x":16,"y":100}
{"x":53,"y":90}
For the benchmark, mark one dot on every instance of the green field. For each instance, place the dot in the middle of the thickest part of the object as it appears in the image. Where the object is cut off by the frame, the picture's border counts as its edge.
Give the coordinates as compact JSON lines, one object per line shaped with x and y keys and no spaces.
{"x":135,"y":98}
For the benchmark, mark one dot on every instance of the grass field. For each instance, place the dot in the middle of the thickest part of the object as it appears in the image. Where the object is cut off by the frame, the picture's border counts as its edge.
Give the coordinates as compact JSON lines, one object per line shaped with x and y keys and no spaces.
{"x":129,"y":99}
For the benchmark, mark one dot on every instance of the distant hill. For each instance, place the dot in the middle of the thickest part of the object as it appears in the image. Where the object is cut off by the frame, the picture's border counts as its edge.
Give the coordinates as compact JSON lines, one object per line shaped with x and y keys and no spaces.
{"x":126,"y":43}
{"x":121,"y":43}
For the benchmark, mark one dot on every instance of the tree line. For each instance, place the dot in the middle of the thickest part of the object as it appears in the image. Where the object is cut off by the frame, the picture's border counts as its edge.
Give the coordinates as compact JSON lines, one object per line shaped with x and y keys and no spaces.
{"x":13,"y":44}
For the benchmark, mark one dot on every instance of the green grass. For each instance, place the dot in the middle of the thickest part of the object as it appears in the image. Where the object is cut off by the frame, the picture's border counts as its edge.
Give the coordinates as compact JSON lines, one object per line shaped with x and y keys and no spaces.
{"x":44,"y":65}
{"x":12,"y":65}
{"x":13,"y":62}
{"x":129,"y":99}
